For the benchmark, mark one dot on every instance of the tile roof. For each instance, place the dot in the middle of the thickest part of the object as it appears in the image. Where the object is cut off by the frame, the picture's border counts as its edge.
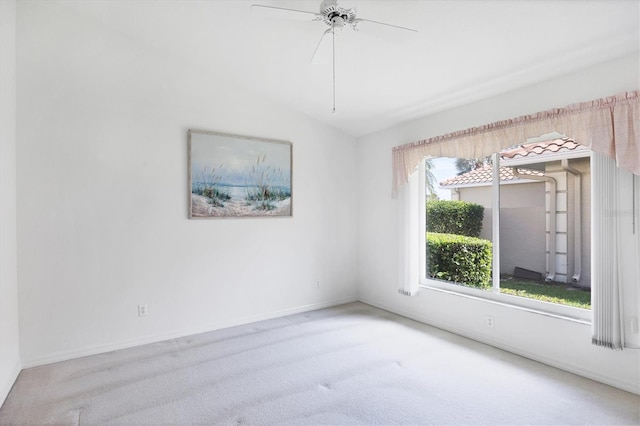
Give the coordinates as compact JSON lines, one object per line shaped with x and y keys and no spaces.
{"x":543,"y":148}
{"x":484,"y":174}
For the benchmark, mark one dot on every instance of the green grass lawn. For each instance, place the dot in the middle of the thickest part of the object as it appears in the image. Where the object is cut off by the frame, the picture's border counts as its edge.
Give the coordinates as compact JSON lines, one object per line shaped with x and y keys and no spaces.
{"x":553,"y":292}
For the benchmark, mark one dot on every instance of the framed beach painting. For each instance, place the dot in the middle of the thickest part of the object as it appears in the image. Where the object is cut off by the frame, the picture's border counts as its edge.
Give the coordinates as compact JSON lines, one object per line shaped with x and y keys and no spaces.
{"x":238,"y":176}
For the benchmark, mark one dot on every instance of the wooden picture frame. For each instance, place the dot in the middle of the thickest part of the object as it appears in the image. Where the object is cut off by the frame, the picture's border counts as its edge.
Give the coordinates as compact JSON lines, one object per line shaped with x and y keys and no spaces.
{"x":232,"y":176}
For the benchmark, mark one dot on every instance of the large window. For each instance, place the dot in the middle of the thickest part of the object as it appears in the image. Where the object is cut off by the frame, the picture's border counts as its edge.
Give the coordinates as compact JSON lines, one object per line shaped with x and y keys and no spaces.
{"x":609,"y":127}
{"x":514,"y":226}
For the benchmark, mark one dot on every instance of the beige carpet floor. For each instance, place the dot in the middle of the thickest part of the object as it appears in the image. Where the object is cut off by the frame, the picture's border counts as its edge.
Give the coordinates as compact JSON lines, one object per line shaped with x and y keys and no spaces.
{"x":352,"y":364}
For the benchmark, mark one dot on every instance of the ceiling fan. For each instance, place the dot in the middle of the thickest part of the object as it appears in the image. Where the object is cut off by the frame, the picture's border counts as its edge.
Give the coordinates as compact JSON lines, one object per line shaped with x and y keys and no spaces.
{"x":333,"y":16}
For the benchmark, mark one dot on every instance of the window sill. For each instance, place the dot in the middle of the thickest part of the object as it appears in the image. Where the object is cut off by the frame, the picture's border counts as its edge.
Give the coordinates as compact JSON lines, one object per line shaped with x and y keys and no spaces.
{"x":567,"y":313}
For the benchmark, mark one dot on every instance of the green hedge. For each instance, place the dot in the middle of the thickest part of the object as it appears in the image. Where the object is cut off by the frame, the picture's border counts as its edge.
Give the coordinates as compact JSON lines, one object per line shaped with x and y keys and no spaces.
{"x":461,"y":259}
{"x":454,"y":217}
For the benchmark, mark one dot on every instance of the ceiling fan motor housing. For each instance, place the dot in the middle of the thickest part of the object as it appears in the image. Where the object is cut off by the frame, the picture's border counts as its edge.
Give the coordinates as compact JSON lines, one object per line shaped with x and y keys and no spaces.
{"x":335,"y":16}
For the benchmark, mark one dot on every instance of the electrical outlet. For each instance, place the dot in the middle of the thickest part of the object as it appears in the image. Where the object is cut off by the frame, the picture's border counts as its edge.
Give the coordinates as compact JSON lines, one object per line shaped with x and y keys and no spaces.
{"x":142,"y":310}
{"x":317,"y":284}
{"x":489,"y":321}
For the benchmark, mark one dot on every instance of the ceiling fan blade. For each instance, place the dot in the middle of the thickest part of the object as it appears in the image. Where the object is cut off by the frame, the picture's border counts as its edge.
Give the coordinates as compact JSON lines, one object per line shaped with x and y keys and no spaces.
{"x":387,"y":33}
{"x":322,"y":54}
{"x":282,"y":13}
{"x":367,"y":23}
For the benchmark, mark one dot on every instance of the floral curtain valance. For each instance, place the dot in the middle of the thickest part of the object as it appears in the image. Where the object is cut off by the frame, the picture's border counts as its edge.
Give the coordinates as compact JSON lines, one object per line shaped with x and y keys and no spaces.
{"x":609,"y":126}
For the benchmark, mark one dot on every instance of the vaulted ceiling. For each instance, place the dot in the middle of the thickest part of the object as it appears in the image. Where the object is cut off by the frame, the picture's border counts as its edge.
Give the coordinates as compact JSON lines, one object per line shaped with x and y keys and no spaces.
{"x":464,"y":51}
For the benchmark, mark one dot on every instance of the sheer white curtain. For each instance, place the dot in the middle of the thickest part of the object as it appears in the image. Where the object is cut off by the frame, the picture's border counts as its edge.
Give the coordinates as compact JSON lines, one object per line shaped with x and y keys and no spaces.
{"x":606,"y":290}
{"x":409,"y":241}
{"x":615,"y":294}
{"x":609,"y":126}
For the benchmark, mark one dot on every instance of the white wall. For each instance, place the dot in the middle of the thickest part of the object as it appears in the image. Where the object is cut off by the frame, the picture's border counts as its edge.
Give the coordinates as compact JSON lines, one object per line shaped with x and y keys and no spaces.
{"x":9,"y":343}
{"x":558,"y":342}
{"x":103,"y":198}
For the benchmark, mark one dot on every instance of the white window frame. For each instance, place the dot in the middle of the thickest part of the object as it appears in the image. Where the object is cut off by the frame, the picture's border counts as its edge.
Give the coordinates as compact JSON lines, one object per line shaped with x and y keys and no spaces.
{"x":492,"y":295}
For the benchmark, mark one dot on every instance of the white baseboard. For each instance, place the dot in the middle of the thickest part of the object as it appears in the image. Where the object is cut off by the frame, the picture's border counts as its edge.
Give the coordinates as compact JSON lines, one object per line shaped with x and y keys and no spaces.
{"x":5,"y":388}
{"x":628,"y":386}
{"x":99,"y":349}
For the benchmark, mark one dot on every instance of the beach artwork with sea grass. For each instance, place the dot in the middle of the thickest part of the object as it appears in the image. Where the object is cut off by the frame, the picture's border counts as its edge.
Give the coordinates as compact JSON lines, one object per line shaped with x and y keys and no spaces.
{"x":238,"y":176}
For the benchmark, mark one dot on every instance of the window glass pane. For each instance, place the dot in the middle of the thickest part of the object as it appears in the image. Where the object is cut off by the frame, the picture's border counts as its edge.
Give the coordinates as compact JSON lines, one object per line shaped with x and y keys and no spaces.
{"x":545,"y":222}
{"x":459,"y":248}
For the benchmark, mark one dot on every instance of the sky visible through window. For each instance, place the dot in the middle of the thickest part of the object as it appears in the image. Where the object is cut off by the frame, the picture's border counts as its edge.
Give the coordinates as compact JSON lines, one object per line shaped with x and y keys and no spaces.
{"x":443,"y":168}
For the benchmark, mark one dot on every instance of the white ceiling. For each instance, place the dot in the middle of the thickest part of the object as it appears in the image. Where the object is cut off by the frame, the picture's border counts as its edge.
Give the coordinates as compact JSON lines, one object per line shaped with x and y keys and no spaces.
{"x":465,"y":50}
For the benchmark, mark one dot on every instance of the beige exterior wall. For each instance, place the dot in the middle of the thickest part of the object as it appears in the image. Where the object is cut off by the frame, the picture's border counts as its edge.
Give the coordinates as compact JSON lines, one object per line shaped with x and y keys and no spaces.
{"x":584,"y":166}
{"x":522,"y":223}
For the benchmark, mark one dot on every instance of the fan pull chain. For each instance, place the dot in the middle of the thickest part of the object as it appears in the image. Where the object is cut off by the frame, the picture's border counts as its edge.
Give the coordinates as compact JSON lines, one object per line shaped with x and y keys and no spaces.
{"x":333,"y":51}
